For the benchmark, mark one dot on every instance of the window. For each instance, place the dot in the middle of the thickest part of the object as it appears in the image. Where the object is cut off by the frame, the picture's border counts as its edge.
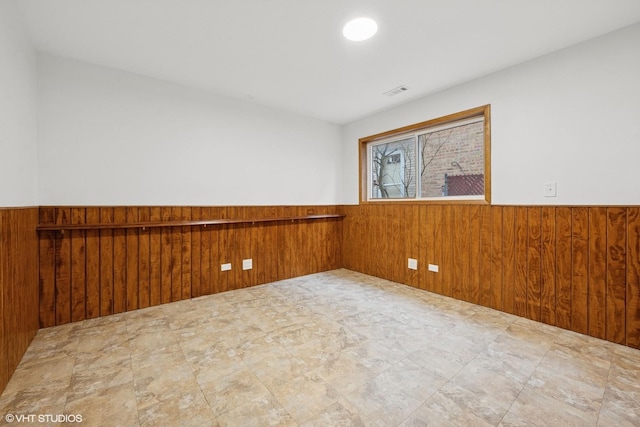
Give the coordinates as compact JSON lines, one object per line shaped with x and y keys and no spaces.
{"x":442,"y":159}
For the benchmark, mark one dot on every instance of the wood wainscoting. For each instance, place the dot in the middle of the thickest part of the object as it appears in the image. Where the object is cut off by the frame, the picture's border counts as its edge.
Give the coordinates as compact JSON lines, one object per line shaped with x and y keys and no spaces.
{"x":98,"y":271}
{"x":573,"y":267}
{"x":18,"y":286}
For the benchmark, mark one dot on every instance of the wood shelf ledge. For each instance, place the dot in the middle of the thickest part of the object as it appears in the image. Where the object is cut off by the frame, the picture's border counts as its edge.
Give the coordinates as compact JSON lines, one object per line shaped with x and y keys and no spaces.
{"x":178,"y":223}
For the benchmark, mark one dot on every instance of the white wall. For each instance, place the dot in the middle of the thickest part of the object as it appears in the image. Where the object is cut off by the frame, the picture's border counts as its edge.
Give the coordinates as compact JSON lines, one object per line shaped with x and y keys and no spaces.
{"x":108,"y":137}
{"x":572,"y":117}
{"x":18,"y":166}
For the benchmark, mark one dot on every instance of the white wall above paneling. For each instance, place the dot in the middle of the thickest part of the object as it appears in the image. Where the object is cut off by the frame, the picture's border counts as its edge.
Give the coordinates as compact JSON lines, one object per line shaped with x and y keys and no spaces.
{"x":570,"y":117}
{"x":18,"y":166}
{"x":108,"y":137}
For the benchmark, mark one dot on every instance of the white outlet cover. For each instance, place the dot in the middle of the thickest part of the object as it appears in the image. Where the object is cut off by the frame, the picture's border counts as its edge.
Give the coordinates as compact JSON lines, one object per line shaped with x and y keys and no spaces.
{"x":247,"y":264}
{"x":225,"y":267}
{"x":550,"y":189}
{"x":412,"y":264}
{"x":434,"y":268}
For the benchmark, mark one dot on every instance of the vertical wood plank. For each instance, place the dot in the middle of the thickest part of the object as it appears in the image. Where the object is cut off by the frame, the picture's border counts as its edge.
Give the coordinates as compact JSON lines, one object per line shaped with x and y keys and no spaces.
{"x":580,"y":268}
{"x":205,"y":259}
{"x":509,"y":248}
{"x":597,"y":271}
{"x":144,"y":261}
{"x":270,"y":258}
{"x":563,"y":267}
{"x":447,"y":268}
{"x":633,"y":278}
{"x":155,"y":258}
{"x":548,"y":279}
{"x":133,"y":243}
{"x":485,"y":256}
{"x":221,"y":278}
{"x":414,"y":228}
{"x":176,"y":255}
{"x":106,"y":263}
{"x":186,"y":254}
{"x":120,"y":262}
{"x":521,"y":252}
{"x":196,"y":254}
{"x":47,"y":268}
{"x":78,"y":268}
{"x":93,"y":264}
{"x":63,"y":269}
{"x":616,"y":274}
{"x":475,"y":264}
{"x":534,"y":262}
{"x":497,"y":256}
{"x":166,"y":257}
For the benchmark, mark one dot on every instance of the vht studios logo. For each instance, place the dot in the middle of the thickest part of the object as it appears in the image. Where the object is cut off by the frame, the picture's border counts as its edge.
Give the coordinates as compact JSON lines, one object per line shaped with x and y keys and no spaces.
{"x":43,"y":418}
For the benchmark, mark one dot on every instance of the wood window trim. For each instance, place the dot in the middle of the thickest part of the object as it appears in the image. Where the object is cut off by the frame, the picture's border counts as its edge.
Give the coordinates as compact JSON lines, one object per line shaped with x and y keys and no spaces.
{"x":484,"y":111}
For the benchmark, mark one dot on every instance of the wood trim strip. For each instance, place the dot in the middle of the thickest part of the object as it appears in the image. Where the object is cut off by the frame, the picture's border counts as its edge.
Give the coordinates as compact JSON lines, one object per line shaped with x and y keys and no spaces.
{"x":180,"y":223}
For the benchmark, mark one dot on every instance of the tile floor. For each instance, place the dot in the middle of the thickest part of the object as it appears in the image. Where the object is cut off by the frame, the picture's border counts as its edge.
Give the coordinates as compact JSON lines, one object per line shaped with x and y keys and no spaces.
{"x":329,"y":349}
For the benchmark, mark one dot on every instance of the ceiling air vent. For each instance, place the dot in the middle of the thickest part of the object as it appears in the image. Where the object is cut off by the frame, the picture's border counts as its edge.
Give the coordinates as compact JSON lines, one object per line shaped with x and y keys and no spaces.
{"x":396,"y":90}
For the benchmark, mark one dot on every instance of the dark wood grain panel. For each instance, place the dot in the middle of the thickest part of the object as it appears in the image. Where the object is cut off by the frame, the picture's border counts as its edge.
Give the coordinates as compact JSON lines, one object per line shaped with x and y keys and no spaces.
{"x":597,"y":280}
{"x":521,"y":260}
{"x":106,"y":263}
{"x":509,"y":258}
{"x":166,"y":258}
{"x":563,"y":267}
{"x":133,"y":264}
{"x":144,"y":260}
{"x":78,"y":267}
{"x":186,"y":254}
{"x":496,"y":284}
{"x":485,"y":256}
{"x":633,"y":278}
{"x":579,"y":269}
{"x":176,"y":256}
{"x":196,"y":254}
{"x":63,"y":269}
{"x":205,"y":256}
{"x":534,"y":265}
{"x":19,"y":286}
{"x":548,"y":275}
{"x":475,"y":264}
{"x":121,"y":299}
{"x":446,"y":268}
{"x":432,"y":244}
{"x":47,"y":269}
{"x":155,"y":259}
{"x":92,"y":215}
{"x":616,"y":275}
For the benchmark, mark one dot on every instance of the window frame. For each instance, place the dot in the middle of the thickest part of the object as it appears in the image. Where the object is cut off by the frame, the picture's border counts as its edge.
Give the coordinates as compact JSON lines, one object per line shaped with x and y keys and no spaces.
{"x":396,"y":134}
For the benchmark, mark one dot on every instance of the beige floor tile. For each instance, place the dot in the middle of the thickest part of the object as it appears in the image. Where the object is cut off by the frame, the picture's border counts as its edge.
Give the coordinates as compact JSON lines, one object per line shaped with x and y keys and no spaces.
{"x":532,"y":408}
{"x":330,"y":349}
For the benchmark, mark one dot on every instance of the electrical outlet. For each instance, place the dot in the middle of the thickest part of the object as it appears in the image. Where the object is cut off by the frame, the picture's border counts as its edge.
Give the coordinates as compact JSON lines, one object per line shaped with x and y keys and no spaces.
{"x":434,"y":268}
{"x":225,"y":267}
{"x":412,"y":264}
{"x":247,"y":264}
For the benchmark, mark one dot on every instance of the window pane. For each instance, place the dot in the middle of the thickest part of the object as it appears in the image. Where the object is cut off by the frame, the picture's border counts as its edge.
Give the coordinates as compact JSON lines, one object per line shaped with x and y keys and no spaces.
{"x":393,"y":169}
{"x":452,"y":161}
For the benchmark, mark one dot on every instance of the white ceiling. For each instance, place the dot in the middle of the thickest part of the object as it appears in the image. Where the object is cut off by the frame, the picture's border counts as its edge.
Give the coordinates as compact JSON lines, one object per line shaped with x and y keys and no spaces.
{"x":290,"y":54}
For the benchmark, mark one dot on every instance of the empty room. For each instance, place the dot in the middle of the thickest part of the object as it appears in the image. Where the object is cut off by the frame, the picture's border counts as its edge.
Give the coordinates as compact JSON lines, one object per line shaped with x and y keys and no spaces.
{"x":319,"y":213}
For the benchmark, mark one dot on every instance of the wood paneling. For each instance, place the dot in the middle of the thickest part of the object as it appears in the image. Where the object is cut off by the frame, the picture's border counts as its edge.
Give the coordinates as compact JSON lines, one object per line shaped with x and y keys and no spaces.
{"x":573,"y":267}
{"x":127,"y":269}
{"x":19,"y":285}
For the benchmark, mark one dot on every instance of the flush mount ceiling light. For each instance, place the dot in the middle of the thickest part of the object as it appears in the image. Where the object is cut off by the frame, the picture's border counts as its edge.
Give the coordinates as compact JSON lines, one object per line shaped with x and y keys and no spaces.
{"x":360,"y":29}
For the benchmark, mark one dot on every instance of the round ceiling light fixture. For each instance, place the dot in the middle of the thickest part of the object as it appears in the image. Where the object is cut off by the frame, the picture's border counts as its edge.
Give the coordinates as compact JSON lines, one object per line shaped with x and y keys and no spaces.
{"x":360,"y":29}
